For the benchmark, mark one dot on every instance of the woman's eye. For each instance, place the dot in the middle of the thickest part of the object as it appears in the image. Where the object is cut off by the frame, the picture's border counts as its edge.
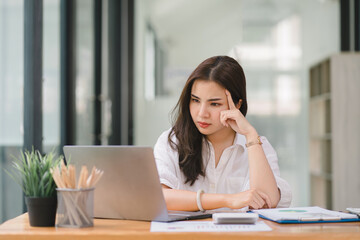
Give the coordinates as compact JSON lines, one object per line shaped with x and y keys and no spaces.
{"x":215,"y":104}
{"x":195,"y":100}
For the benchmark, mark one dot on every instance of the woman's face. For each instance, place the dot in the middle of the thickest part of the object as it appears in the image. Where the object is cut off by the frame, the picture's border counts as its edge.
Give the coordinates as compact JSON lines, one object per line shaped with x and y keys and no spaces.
{"x":207,"y":101}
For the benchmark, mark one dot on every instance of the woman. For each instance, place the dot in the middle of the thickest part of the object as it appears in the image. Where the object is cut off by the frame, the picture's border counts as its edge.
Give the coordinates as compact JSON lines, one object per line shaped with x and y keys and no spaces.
{"x":213,"y":157}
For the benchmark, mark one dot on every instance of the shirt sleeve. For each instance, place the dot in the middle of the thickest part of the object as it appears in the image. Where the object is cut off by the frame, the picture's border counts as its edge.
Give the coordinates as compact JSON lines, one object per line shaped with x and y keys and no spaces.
{"x":166,"y":159}
{"x":284,"y":187}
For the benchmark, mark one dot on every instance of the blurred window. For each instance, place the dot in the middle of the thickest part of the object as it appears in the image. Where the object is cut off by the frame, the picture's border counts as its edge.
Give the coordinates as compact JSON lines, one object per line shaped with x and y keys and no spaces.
{"x":11,"y":102}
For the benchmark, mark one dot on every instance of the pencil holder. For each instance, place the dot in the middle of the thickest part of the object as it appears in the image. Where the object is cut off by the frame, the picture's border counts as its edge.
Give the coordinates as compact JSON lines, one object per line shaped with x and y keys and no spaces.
{"x":75,"y":207}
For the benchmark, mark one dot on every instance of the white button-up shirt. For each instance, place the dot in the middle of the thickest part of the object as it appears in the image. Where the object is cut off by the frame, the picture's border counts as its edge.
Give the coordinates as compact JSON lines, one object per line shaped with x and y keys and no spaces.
{"x":231,"y":175}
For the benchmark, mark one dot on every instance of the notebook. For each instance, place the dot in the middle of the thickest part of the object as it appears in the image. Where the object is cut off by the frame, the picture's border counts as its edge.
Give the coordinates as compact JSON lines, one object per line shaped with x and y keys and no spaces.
{"x":305,"y":215}
{"x":130,"y":187}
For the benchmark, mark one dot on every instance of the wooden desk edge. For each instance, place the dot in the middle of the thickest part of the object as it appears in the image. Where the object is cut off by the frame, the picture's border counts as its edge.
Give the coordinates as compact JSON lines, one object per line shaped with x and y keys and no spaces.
{"x":107,"y":229}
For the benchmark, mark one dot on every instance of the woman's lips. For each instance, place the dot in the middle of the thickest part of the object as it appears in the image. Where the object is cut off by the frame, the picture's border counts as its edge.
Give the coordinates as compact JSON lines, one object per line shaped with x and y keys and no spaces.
{"x":203,"y":124}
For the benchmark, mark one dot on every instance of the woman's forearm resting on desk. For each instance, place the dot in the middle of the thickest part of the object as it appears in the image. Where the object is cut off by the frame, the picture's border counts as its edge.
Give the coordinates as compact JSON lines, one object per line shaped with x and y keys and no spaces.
{"x":186,"y":200}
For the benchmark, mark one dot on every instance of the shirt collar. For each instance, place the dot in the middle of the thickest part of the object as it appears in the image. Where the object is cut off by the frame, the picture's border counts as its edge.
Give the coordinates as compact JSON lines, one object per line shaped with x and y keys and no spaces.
{"x":239,"y":140}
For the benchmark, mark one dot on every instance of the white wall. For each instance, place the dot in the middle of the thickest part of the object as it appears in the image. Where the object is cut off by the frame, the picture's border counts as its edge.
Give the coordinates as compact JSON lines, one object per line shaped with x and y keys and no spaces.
{"x":321,"y":30}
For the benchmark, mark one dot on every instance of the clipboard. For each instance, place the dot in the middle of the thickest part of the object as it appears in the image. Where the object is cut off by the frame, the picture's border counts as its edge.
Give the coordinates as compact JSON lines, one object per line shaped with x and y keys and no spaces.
{"x":305,"y":215}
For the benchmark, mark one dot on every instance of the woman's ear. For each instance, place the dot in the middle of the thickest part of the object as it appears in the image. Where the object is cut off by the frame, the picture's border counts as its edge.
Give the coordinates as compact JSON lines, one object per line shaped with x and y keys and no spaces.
{"x":238,"y":105}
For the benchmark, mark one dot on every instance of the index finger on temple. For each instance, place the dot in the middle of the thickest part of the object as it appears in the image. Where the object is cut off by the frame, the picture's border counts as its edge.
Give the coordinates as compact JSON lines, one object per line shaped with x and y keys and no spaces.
{"x":230,"y":101}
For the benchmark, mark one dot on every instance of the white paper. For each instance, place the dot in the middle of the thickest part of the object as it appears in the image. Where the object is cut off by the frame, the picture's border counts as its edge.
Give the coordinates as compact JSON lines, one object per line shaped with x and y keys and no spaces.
{"x":207,"y":226}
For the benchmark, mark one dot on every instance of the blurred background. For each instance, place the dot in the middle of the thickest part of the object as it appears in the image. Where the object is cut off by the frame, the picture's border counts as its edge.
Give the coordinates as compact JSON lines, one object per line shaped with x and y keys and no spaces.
{"x":112,"y":72}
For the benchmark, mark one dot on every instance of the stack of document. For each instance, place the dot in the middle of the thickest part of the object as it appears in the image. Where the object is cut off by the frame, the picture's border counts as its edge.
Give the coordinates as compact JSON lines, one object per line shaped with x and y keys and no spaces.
{"x":305,"y":215}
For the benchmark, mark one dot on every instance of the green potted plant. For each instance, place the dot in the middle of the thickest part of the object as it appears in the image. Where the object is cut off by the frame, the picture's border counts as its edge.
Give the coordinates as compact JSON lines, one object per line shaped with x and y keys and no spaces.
{"x":32,"y":172}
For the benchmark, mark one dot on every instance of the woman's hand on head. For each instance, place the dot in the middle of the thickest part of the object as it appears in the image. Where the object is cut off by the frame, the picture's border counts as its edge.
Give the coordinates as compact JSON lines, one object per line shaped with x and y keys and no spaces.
{"x":234,"y":118}
{"x":254,"y":199}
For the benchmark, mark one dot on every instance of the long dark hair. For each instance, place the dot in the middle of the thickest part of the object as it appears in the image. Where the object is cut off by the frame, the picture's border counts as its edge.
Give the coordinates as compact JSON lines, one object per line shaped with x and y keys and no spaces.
{"x":227,"y":73}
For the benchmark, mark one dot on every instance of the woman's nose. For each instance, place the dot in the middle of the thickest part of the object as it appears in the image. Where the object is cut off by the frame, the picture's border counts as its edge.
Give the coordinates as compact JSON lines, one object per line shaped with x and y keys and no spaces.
{"x":203,"y":111}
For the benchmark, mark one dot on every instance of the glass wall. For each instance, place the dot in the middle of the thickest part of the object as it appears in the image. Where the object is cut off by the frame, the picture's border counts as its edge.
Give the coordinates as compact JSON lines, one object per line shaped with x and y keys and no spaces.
{"x":11,"y":101}
{"x":274,"y":40}
{"x":51,"y":70}
{"x":84,"y":72}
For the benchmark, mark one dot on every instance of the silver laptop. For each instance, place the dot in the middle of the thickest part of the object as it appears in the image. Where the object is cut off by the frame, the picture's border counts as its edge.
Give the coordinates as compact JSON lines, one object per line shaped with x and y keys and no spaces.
{"x":130,"y":187}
